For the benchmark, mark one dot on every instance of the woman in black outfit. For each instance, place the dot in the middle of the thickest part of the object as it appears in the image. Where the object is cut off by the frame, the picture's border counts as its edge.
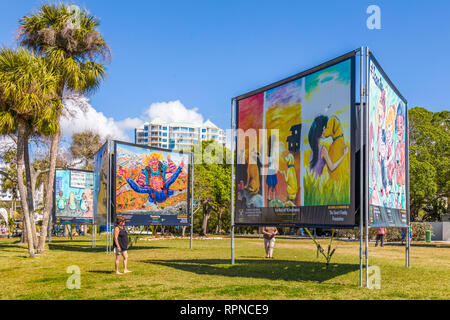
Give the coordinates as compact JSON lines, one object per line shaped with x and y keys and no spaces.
{"x":121,"y":244}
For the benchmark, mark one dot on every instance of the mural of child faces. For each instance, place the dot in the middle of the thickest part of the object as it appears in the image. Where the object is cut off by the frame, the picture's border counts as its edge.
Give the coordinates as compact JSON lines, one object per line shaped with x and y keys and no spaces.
{"x":387,"y":118}
{"x":390,"y":142}
{"x":381,"y":163}
{"x":381,"y":109}
{"x":373,"y":190}
{"x":73,"y":201}
{"x":86,"y":201}
{"x":400,"y":155}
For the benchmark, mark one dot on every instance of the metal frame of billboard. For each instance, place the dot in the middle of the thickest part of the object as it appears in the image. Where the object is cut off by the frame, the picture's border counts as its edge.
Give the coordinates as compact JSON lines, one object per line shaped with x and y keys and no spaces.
{"x":189,"y":154}
{"x":108,"y":155}
{"x":298,"y":75}
{"x":111,"y":199}
{"x":53,"y":214}
{"x":363,"y":161}
{"x":235,"y":124}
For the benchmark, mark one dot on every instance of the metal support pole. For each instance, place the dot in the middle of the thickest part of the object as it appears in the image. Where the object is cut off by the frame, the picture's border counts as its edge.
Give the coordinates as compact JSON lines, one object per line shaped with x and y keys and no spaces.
{"x":407,"y":246}
{"x":366,"y":166}
{"x":192,"y":200}
{"x":361,"y":164}
{"x":94,"y":231}
{"x":232,"y":180}
{"x":108,"y":202}
{"x":407,"y":202}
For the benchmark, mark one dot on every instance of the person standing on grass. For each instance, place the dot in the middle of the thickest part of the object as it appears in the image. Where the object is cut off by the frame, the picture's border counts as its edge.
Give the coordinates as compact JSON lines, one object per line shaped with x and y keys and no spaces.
{"x":269,"y":240}
{"x":380,"y":236}
{"x":403,"y":235}
{"x":121,"y":244}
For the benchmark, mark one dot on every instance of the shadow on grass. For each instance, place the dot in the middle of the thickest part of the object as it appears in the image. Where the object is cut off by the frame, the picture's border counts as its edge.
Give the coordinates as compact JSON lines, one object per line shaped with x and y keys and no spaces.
{"x":423,"y":245}
{"x":431,"y":245}
{"x":11,"y":245}
{"x":98,"y":248}
{"x":101,"y":271}
{"x":287,"y":270}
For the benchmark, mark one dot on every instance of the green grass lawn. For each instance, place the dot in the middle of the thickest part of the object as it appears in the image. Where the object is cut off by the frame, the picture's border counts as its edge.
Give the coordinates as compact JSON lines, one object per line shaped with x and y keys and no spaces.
{"x":168,"y":269}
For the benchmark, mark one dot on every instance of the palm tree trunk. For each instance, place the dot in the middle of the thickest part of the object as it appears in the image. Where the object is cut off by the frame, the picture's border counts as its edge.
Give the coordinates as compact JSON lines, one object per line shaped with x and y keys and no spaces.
{"x":22,"y":139}
{"x":23,"y":236}
{"x":30,"y":193}
{"x":48,"y":205}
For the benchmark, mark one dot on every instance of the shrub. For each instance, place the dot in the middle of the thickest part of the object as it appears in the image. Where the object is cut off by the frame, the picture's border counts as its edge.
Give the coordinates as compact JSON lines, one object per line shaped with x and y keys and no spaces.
{"x":392,"y":234}
{"x":348,"y":233}
{"x":419,"y":230}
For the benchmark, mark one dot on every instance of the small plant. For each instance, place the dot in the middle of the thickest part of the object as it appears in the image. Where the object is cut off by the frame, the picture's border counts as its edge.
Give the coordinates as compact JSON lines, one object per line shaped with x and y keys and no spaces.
{"x":330,"y":251}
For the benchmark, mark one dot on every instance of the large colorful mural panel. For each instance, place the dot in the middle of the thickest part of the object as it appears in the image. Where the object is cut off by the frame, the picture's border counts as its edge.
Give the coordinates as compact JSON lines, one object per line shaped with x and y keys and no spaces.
{"x":151,"y":185}
{"x":387,"y":151}
{"x":304,"y":151}
{"x":73,"y":197}
{"x":101,"y":177}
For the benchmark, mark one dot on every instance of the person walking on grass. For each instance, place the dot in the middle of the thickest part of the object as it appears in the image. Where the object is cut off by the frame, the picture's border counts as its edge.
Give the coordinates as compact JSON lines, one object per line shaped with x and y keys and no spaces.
{"x":380,"y":236}
{"x":121,"y":244}
{"x":269,"y":240}
{"x":404,"y":232}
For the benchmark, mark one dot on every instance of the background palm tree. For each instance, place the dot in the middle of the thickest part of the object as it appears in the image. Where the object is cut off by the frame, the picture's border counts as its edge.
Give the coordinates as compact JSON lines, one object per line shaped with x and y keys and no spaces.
{"x":67,"y":37}
{"x":28,"y":103}
{"x":84,"y":147}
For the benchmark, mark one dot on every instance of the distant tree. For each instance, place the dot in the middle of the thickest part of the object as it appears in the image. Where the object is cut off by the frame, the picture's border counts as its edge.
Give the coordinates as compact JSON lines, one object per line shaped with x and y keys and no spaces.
{"x":204,"y":193}
{"x":84,"y":146}
{"x":222,"y":193}
{"x":429,"y":155}
{"x":212,"y":186}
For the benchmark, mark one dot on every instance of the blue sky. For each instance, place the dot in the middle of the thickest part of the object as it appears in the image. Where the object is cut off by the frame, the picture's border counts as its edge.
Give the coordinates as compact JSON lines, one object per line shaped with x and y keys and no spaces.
{"x":203,"y":53}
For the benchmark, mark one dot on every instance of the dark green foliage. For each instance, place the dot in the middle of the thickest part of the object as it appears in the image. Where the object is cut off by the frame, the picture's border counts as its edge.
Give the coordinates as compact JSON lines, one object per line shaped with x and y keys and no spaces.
{"x":429,"y":164}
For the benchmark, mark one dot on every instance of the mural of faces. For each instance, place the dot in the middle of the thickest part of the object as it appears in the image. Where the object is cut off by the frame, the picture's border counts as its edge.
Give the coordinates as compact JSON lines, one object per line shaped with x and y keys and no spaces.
{"x":387,"y":115}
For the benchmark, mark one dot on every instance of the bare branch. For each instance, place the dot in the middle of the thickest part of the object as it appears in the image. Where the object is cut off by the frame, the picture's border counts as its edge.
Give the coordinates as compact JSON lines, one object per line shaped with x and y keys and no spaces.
{"x":6,"y":175}
{"x":13,"y":137}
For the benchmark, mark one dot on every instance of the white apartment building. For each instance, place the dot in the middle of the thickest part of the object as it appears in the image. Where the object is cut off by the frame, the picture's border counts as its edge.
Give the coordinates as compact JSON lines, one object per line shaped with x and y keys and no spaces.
{"x":177,"y":135}
{"x":5,"y":195}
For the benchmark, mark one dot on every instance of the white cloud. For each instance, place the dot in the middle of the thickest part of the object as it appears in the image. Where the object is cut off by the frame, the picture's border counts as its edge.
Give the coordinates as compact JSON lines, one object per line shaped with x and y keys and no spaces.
{"x":173,"y":111}
{"x":130,"y":123}
{"x":81,"y":116}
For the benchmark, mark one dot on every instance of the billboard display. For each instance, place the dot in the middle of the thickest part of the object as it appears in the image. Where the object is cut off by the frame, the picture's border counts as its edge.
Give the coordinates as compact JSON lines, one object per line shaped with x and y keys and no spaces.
{"x":388,"y":149}
{"x":151,"y":185}
{"x":295,"y":150}
{"x":101,"y":176}
{"x":73,"y":197}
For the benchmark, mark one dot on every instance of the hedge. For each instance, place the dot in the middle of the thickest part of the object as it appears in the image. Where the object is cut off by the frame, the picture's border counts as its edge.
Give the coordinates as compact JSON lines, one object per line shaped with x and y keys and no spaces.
{"x":392,"y":234}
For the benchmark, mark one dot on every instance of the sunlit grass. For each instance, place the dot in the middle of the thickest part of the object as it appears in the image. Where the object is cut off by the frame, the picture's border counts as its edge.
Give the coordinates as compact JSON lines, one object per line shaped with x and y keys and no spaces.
{"x":168,"y":269}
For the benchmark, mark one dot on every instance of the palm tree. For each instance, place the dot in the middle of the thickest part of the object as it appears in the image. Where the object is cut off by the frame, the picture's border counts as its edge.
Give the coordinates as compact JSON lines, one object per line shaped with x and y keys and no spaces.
{"x":28,"y":102}
{"x":84,"y":146}
{"x":69,"y":41}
